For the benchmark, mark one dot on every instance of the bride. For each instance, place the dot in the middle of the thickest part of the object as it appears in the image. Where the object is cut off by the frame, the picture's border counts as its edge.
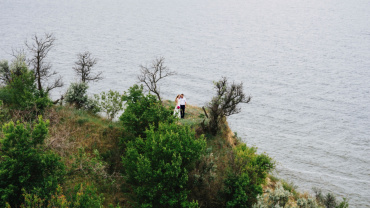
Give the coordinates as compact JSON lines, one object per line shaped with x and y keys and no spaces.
{"x":176,"y":112}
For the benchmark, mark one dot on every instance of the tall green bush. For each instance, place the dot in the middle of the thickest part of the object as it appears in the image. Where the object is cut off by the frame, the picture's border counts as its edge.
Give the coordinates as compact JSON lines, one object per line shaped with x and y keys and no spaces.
{"x":156,"y":167}
{"x":248,"y":170}
{"x":143,"y":110}
{"x":25,"y":164}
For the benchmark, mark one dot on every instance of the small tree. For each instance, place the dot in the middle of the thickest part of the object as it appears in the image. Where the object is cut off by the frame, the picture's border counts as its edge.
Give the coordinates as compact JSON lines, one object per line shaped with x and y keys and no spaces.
{"x":141,"y":111}
{"x":77,"y":95}
{"x":39,"y":49}
{"x":225,"y":103}
{"x":151,"y":75}
{"x":110,"y":103}
{"x":83,"y":67}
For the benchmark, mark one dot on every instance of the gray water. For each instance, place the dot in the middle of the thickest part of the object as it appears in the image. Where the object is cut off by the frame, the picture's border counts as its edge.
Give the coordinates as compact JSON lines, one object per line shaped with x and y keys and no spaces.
{"x":306,"y":65}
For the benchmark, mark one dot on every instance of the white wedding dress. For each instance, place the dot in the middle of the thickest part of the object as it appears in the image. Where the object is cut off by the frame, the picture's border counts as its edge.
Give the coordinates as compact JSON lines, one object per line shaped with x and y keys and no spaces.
{"x":176,"y":112}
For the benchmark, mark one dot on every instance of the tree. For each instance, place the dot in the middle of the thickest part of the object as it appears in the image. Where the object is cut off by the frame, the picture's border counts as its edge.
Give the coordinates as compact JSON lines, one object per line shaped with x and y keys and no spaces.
{"x":151,"y":75}
{"x":141,"y":111}
{"x":111,"y":103}
{"x":83,"y":67}
{"x":25,"y":164}
{"x":157,"y":167}
{"x":77,"y":95}
{"x":225,"y":103}
{"x":39,"y":50}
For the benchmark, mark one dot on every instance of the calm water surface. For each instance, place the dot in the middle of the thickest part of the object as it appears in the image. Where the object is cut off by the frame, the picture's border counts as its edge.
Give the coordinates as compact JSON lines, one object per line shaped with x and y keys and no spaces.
{"x":305,"y":63}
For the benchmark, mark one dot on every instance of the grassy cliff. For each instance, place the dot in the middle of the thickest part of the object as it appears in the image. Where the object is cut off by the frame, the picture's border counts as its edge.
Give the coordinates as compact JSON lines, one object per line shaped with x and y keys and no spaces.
{"x":227,"y":174}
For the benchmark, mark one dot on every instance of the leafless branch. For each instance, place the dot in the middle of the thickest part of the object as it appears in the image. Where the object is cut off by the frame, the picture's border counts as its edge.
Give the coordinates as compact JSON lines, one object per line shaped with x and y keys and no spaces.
{"x":39,"y":49}
{"x":84,"y":65}
{"x":151,"y":75}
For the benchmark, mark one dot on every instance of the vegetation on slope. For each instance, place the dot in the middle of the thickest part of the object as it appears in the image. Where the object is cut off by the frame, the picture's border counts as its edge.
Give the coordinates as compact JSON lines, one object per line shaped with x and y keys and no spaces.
{"x":66,"y":155}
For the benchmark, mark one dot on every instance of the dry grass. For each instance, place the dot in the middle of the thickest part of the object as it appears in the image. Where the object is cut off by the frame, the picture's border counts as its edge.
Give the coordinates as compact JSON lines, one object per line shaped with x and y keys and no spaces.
{"x":72,"y":129}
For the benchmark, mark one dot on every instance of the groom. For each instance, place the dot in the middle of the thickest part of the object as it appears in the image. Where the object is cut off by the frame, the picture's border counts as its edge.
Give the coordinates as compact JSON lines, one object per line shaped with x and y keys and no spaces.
{"x":182,"y":105}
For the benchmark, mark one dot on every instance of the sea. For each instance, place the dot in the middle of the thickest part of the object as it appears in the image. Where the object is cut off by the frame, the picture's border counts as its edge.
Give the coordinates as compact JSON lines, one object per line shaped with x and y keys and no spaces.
{"x":306,"y":65}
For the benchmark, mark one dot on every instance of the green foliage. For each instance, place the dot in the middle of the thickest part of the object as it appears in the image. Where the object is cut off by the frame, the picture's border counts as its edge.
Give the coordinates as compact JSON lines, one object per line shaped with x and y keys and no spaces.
{"x":77,"y":95}
{"x":248,"y":170}
{"x":85,"y":196}
{"x":4,"y":112}
{"x":82,"y":196}
{"x":329,"y":200}
{"x":25,"y":164}
{"x":273,"y":198}
{"x":91,"y":165}
{"x":4,"y":72}
{"x":20,"y":91}
{"x":239,"y":191}
{"x":280,"y":198}
{"x":143,"y":110}
{"x":110,"y":103}
{"x":157,"y":167}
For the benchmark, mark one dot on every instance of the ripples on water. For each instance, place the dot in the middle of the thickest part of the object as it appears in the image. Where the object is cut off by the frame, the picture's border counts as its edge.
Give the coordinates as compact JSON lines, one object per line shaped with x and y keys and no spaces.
{"x":305,"y":63}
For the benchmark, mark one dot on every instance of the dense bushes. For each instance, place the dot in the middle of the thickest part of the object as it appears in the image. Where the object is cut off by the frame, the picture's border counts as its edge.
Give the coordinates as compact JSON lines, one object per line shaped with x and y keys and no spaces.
{"x":82,"y":196}
{"x":25,"y":165}
{"x":157,"y":166}
{"x":143,"y":110}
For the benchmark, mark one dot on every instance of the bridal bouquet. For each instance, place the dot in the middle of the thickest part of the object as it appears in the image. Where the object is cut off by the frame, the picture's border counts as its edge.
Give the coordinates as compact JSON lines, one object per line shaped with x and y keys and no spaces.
{"x":178,"y":107}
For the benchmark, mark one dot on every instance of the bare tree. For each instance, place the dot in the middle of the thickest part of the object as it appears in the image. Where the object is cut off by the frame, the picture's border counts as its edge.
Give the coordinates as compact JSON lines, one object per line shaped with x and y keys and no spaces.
{"x":83,"y":67}
{"x":225,"y":103}
{"x":152,"y":74}
{"x":39,"y":48}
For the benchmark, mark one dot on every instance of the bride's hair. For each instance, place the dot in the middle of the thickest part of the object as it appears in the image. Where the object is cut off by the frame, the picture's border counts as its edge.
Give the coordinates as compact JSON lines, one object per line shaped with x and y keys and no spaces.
{"x":176,"y":97}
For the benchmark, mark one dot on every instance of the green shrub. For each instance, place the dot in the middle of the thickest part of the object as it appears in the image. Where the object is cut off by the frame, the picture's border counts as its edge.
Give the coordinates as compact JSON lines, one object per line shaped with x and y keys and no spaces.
{"x":157,"y":167}
{"x":143,"y":110}
{"x":248,"y":170}
{"x":82,"y":196}
{"x":110,"y":103}
{"x":25,"y":164}
{"x":239,"y":190}
{"x":77,"y":95}
{"x":90,"y":165}
{"x":4,"y":112}
{"x":85,"y":196}
{"x":329,"y":200}
{"x":280,"y":198}
{"x":20,"y":91}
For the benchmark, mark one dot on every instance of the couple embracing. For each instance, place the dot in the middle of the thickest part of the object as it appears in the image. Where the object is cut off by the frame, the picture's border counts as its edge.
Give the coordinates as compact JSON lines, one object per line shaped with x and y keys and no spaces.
{"x":180,"y":106}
